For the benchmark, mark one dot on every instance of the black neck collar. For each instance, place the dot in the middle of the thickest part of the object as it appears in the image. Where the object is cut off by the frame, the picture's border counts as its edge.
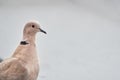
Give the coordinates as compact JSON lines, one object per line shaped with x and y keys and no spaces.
{"x":24,"y":43}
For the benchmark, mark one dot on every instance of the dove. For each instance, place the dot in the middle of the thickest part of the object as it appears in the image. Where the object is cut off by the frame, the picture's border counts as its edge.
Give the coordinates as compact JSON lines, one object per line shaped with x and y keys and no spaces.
{"x":24,"y":62}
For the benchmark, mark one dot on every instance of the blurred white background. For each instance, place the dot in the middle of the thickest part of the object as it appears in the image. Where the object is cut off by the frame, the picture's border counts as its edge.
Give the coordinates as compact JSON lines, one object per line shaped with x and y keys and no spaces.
{"x":83,"y":40}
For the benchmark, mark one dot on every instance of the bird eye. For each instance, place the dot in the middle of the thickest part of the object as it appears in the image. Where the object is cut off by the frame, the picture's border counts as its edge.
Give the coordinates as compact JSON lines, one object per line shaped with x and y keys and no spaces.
{"x":33,"y":26}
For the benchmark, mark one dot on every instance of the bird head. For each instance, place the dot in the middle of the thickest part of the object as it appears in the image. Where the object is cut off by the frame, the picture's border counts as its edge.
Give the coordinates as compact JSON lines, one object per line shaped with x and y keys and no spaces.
{"x":32,"y":27}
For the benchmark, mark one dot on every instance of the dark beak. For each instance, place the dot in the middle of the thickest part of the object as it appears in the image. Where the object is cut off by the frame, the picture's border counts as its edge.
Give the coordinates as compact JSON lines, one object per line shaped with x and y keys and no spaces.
{"x":42,"y":31}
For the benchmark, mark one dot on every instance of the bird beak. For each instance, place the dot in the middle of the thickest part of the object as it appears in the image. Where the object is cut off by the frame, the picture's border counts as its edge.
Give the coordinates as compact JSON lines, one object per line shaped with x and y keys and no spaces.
{"x":42,"y":31}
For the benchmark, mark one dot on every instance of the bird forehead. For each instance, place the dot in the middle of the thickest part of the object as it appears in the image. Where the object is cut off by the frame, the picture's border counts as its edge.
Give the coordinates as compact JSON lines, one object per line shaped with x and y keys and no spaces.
{"x":33,"y":22}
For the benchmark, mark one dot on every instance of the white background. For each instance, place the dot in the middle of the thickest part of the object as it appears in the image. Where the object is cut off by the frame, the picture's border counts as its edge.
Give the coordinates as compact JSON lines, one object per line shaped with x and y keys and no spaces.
{"x":83,"y":40}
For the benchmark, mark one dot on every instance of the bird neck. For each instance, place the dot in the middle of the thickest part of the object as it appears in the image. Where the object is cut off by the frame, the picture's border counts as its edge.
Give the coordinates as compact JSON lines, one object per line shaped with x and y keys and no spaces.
{"x":29,"y":38}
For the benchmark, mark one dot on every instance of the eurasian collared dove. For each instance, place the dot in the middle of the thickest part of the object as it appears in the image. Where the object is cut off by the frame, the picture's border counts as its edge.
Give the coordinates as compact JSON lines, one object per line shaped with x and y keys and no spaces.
{"x":23,"y":64}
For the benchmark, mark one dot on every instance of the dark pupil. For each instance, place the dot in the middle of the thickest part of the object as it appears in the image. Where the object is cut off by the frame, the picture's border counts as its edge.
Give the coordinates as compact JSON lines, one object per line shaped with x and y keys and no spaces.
{"x":33,"y":26}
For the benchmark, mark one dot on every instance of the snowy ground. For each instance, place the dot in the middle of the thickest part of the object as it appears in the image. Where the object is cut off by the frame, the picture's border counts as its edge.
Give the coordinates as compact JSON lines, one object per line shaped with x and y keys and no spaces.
{"x":83,"y":40}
